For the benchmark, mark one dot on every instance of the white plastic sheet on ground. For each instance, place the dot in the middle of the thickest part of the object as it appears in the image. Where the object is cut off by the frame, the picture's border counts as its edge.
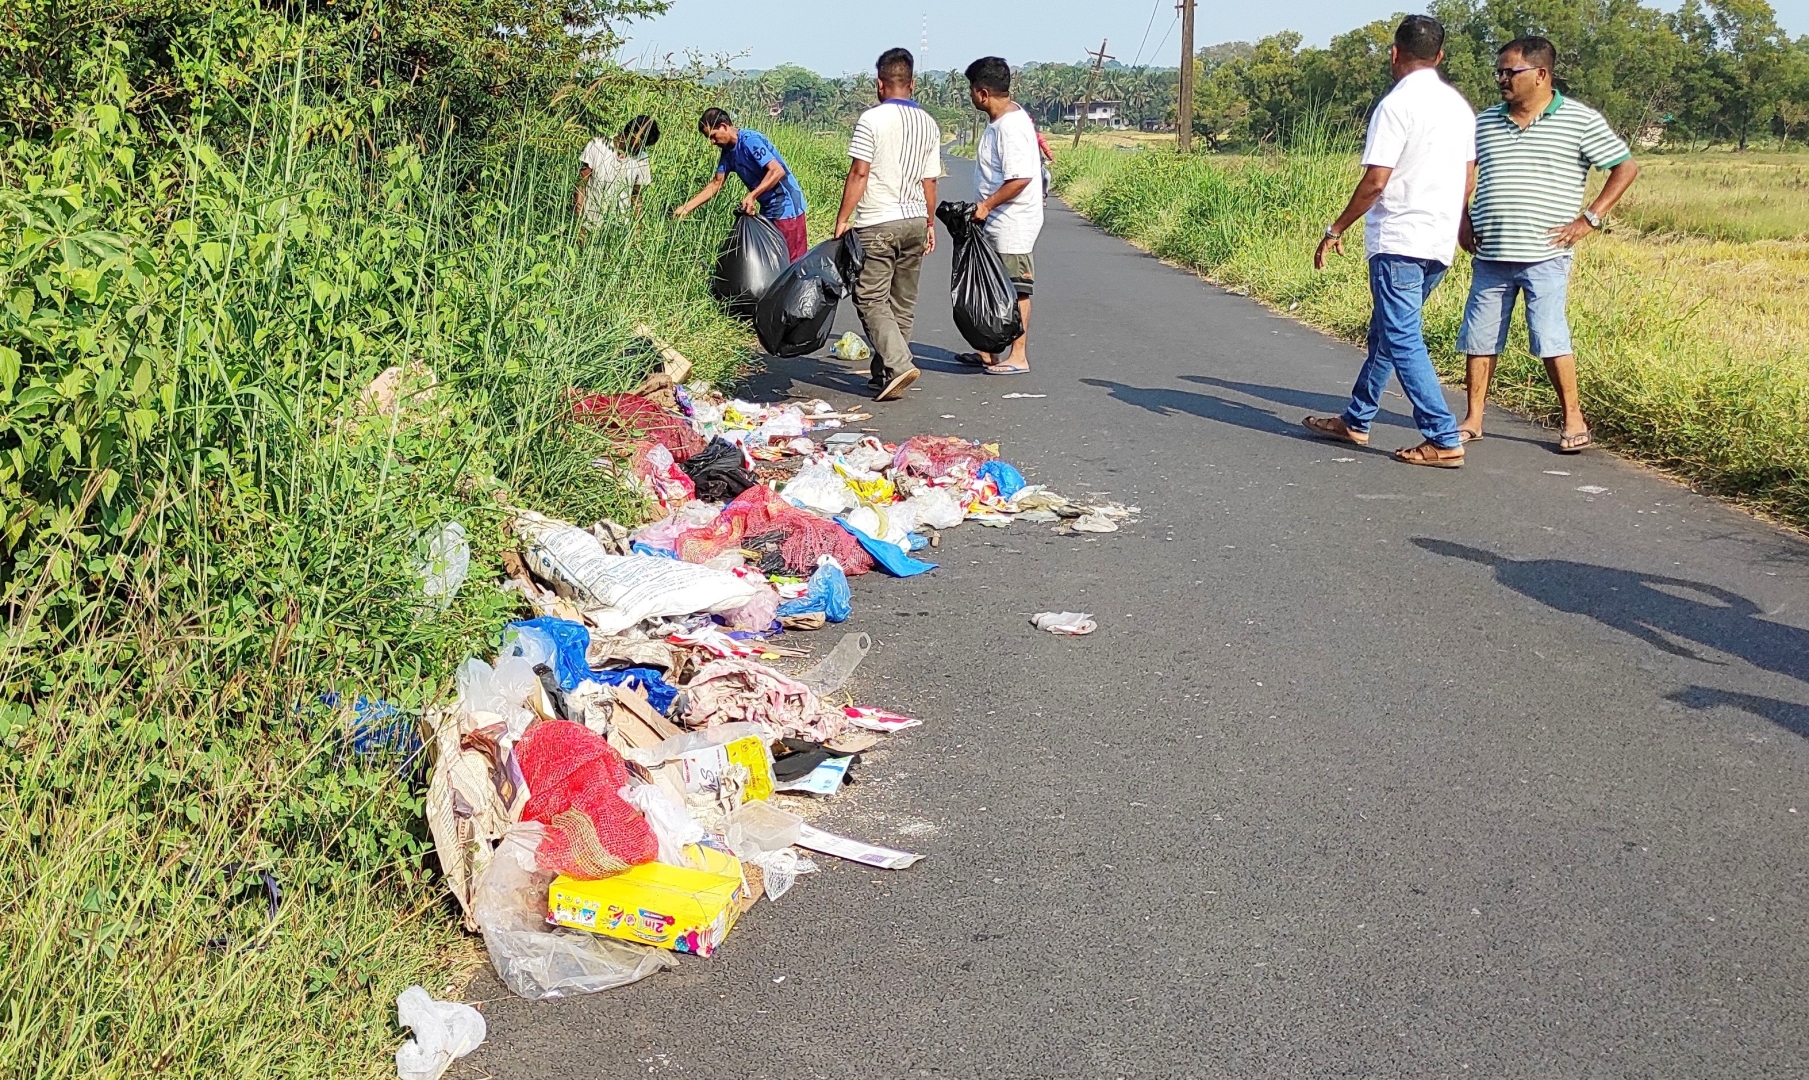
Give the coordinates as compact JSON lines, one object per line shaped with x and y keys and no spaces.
{"x":618,"y":591}
{"x":444,"y":1032}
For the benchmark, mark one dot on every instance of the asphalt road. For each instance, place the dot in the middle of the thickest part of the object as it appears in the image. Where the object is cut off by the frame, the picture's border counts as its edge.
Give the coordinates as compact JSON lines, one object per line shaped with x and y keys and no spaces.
{"x":1370,"y":770}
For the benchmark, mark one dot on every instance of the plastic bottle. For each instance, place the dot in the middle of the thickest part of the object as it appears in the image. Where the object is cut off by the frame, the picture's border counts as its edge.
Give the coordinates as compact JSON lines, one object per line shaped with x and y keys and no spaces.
{"x":828,"y":674}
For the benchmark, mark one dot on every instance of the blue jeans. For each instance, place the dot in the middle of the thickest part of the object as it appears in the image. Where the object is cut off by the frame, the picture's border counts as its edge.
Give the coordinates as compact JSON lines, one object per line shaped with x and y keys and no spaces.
{"x":1398,"y":288}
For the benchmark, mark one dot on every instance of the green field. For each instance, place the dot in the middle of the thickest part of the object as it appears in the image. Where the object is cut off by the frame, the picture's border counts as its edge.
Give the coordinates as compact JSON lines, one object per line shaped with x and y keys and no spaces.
{"x":1693,"y":346}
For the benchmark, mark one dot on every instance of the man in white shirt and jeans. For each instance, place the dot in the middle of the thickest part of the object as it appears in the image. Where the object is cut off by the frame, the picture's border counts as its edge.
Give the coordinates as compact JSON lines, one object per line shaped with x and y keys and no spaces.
{"x":1008,"y":171}
{"x":1420,"y":164}
{"x":895,"y":160}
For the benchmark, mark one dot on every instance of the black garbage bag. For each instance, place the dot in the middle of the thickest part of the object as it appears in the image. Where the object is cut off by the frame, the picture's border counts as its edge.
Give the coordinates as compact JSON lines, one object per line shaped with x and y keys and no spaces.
{"x":718,"y":471}
{"x":751,"y":259}
{"x":986,"y":303}
{"x":797,"y":312}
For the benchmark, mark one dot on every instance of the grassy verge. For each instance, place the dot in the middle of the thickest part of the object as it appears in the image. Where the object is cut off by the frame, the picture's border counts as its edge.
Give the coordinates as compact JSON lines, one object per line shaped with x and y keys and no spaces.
{"x":207,"y":529}
{"x":1694,"y":351}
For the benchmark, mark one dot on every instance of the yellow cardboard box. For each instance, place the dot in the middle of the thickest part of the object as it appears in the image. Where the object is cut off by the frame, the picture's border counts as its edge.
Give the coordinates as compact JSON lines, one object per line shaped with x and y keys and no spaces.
{"x":673,"y":907}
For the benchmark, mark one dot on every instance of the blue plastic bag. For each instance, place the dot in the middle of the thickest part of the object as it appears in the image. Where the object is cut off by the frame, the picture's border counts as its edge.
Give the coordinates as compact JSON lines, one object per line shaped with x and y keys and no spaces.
{"x":652,"y":681}
{"x":890,"y":556}
{"x":570,"y":642}
{"x":1009,"y":480}
{"x":828,"y":594}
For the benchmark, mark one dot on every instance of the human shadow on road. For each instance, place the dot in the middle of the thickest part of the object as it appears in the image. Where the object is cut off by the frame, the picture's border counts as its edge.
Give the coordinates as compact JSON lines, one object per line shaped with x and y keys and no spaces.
{"x":1305,"y":400}
{"x":776,"y":377}
{"x":1169,"y":402}
{"x":1788,"y":715}
{"x":1651,"y":607}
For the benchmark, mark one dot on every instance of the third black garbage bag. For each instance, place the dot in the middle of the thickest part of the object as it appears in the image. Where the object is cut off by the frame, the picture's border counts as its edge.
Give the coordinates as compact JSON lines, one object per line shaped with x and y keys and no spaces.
{"x":797,"y":313}
{"x":986,"y":303}
{"x":751,"y":259}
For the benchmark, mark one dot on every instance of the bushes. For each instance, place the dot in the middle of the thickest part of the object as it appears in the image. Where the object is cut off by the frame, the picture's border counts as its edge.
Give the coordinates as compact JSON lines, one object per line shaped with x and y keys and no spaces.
{"x":207,"y":532}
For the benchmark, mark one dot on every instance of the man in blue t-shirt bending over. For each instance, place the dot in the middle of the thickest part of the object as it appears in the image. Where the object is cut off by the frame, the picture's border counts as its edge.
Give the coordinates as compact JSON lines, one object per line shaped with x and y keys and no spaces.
{"x":772,"y":191}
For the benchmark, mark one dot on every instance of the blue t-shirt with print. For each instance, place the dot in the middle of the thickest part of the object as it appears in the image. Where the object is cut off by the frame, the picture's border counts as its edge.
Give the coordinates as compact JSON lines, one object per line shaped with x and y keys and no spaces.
{"x":748,"y":159}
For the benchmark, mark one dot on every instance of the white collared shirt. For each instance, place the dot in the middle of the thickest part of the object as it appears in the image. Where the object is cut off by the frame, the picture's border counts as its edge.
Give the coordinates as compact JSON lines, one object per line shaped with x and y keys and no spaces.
{"x":1425,"y":131}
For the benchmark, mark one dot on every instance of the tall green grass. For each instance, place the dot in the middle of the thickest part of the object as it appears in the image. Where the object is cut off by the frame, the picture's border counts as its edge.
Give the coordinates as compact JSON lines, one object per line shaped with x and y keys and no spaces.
{"x":207,"y":529}
{"x":1694,"y":355}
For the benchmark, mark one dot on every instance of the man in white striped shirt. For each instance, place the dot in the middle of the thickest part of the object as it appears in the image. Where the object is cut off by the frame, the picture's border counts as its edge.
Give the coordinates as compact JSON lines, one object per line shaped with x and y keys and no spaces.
{"x":896,"y":158}
{"x":1533,"y":156}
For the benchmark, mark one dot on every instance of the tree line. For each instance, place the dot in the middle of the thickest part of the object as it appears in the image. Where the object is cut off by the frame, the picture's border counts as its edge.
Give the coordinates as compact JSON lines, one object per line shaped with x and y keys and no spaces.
{"x":1712,"y":71}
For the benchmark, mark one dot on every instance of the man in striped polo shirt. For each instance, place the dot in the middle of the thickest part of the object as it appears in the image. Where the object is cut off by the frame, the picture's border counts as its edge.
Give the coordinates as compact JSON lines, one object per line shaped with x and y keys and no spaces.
{"x":895,"y":158}
{"x":1533,"y":156}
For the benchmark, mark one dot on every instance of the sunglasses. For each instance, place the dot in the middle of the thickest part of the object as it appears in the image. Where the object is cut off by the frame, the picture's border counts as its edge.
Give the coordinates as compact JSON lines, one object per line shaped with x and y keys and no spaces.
{"x":1506,"y":74}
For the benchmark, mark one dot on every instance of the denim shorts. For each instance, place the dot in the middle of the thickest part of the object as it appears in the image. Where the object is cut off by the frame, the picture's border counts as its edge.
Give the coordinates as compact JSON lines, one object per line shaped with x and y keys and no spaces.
{"x":1493,"y":286}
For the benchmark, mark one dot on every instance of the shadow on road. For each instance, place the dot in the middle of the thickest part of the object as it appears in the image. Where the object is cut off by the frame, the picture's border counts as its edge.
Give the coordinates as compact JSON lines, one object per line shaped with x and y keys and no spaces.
{"x":1658,"y":610}
{"x":1304,"y":400}
{"x":1785,"y":714}
{"x":1170,"y":402}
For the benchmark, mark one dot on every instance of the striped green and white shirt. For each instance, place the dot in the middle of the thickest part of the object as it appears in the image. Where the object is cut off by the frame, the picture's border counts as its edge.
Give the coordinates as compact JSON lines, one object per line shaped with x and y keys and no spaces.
{"x":1530,"y":181}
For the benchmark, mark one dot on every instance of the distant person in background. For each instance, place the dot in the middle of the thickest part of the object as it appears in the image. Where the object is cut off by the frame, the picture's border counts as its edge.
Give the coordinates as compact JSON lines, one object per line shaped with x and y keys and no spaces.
{"x":1008,"y":172}
{"x":772,"y":191}
{"x":895,"y":158}
{"x":1042,"y":147}
{"x":613,"y":172}
{"x":1533,"y":156}
{"x":1419,"y":163}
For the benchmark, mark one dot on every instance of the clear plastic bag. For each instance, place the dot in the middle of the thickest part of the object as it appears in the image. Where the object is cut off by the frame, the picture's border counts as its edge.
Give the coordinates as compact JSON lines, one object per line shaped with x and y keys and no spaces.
{"x":937,"y":508}
{"x":531,"y":959}
{"x":819,"y":487}
{"x":444,"y":1032}
{"x":829,"y":674}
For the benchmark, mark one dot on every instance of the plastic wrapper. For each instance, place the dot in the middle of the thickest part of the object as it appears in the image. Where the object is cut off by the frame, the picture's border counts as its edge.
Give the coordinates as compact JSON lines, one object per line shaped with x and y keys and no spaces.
{"x":937,"y":508}
{"x":759,"y":613}
{"x":827,"y":592}
{"x":445,"y":562}
{"x":672,"y":824}
{"x":532,"y":960}
{"x":985,"y":300}
{"x":751,"y":258}
{"x":444,"y":1031}
{"x":818,"y":486}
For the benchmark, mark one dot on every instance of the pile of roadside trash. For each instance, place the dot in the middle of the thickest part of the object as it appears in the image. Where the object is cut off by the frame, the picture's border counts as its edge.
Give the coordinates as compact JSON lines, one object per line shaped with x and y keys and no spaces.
{"x":611,"y":788}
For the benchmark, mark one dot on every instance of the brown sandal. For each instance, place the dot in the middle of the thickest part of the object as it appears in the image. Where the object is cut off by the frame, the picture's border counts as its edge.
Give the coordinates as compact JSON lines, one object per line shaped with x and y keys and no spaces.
{"x":1332,"y":427}
{"x":1433,"y":455}
{"x":1575,"y":443}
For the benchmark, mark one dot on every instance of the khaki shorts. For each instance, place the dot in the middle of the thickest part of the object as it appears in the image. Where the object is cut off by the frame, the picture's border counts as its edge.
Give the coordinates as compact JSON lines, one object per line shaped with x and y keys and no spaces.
{"x":1022,"y":269}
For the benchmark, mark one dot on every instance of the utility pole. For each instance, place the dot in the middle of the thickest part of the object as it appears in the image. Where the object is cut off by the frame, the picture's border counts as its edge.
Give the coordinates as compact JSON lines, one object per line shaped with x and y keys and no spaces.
{"x":1080,"y":111}
{"x":1184,"y":106}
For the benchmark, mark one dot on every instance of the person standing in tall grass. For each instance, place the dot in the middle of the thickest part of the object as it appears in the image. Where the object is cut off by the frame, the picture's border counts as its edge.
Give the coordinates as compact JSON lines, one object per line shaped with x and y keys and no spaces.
{"x":1419,"y":161}
{"x":613,"y":172}
{"x":772,"y":190}
{"x":1533,"y":156}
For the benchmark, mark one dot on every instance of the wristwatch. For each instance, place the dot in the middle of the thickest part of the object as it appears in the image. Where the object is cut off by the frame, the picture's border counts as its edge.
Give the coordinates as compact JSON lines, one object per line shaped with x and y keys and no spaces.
{"x":1332,"y":233}
{"x":1594,"y":219}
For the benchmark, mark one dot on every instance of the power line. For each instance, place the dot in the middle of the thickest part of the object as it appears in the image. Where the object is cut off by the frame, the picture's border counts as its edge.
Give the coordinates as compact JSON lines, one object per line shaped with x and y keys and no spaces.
{"x":1171,"y":29}
{"x":1146,"y":29}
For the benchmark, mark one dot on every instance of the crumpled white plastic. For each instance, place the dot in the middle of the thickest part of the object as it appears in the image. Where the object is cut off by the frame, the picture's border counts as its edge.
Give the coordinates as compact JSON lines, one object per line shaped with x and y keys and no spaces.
{"x":819,"y":487}
{"x":444,"y":1032}
{"x":1064,"y":622}
{"x":672,"y":824}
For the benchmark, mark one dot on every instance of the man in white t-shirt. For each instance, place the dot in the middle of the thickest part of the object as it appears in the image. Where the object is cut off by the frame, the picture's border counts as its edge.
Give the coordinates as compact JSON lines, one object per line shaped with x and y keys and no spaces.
{"x":1008,"y":171}
{"x":612,"y":172}
{"x":895,"y":159}
{"x":1419,"y":167}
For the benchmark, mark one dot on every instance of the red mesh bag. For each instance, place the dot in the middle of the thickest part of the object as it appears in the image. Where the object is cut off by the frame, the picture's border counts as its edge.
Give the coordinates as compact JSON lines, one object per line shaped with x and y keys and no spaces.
{"x":933,"y":456}
{"x":758,"y":511}
{"x":636,"y":416}
{"x":573,"y":777}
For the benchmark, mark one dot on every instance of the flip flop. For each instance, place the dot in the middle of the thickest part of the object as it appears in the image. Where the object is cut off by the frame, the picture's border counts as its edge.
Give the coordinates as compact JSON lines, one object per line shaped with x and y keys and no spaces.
{"x":1006,"y":369}
{"x":1576,"y":443}
{"x":1467,"y":437}
{"x":972,"y":359}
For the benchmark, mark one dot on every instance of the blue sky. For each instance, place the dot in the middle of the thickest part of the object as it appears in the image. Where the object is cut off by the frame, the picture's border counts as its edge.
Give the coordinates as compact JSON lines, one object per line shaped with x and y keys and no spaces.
{"x":833,"y":36}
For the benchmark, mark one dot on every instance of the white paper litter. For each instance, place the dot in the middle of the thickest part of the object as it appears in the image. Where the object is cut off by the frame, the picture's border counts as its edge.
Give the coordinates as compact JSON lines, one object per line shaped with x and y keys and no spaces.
{"x":855,"y":851}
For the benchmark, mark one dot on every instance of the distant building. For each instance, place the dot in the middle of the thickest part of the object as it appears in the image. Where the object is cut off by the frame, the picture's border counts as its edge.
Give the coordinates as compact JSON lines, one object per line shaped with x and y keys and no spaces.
{"x":1099,"y":114}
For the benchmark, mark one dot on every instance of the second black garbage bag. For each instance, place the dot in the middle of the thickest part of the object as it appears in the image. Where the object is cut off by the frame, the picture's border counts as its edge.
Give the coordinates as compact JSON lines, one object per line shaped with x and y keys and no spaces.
{"x":985,"y":301}
{"x":750,"y":260}
{"x":797,"y":313}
